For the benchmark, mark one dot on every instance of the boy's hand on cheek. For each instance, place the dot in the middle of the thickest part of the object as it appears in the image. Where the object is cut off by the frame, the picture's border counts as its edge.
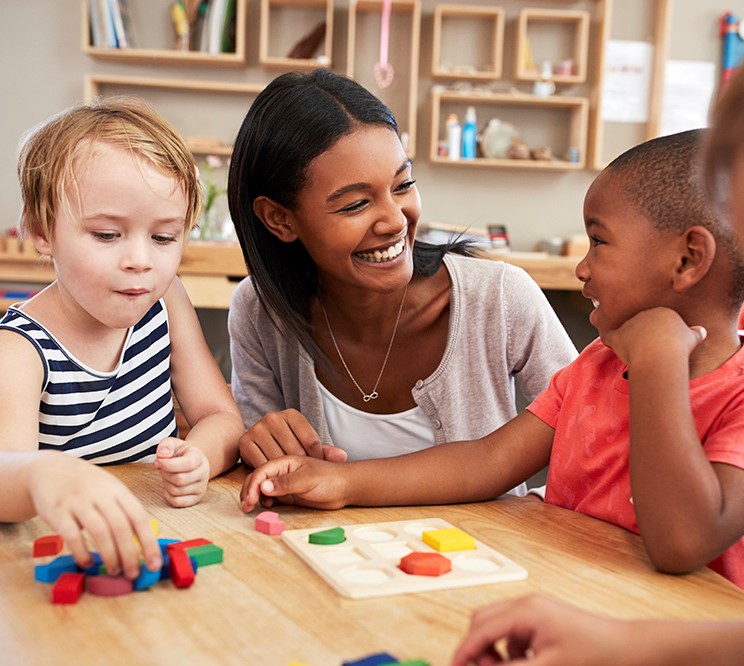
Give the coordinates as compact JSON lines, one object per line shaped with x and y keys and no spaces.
{"x":656,"y":334}
{"x":184,"y":469}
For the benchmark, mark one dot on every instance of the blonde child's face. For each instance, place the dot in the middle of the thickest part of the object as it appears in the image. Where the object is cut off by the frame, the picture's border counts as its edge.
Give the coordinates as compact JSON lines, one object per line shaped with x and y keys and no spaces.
{"x":626,"y":269}
{"x":117,"y":246}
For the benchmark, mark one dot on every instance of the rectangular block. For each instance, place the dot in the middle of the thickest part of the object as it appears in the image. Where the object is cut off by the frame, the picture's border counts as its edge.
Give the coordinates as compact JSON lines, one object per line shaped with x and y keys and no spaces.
{"x":68,"y":588}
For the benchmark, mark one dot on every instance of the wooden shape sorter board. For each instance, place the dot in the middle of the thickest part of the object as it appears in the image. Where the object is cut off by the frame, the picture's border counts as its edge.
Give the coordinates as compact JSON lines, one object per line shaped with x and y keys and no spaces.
{"x":366,"y":564}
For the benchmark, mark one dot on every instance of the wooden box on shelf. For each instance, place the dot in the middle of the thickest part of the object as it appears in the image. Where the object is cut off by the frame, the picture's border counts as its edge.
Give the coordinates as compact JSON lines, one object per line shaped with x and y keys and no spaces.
{"x":565,"y":118}
{"x":160,"y":46}
{"x":557,"y":36}
{"x":483,"y":29}
{"x":302,"y":30}
{"x":98,"y":84}
{"x":364,"y":37}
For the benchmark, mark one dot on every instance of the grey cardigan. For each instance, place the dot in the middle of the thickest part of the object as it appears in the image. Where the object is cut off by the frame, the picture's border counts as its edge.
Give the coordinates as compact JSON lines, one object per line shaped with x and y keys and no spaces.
{"x":501,"y":329}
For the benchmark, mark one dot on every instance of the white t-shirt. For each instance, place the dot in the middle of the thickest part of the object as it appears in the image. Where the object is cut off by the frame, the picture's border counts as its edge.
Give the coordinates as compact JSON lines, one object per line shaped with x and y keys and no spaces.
{"x":375,"y":435}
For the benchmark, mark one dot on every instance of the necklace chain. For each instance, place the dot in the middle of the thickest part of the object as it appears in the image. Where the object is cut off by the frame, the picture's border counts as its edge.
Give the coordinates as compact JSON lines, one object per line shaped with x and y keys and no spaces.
{"x":374,"y":394}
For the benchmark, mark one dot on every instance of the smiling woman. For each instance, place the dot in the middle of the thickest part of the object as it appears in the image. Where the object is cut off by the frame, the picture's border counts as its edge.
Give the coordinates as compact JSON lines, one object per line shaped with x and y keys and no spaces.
{"x":349,"y":332}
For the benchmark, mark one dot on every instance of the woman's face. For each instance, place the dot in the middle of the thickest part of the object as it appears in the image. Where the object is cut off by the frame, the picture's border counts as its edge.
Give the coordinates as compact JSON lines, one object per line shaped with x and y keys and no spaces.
{"x":358,"y":212}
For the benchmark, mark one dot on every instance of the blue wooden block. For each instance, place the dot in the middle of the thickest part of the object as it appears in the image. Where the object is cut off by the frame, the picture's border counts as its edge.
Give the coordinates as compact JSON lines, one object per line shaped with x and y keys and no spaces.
{"x":146,"y":578}
{"x":95,"y":568}
{"x":377,"y":659}
{"x":50,"y":572}
{"x":163,"y":543}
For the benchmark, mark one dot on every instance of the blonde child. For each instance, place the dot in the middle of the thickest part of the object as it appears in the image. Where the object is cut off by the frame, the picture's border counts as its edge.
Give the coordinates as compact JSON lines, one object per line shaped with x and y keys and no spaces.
{"x":87,"y":366}
{"x":646,"y":428}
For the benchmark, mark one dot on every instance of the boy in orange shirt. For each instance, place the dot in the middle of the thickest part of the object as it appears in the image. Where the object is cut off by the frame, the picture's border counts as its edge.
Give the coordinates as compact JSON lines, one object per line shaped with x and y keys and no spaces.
{"x":646,"y":428}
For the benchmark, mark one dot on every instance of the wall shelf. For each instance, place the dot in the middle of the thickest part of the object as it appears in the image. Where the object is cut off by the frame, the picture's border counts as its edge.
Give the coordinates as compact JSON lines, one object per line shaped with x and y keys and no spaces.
{"x":159,"y":31}
{"x":286,"y":23}
{"x":527,"y":113}
{"x":468,"y":42}
{"x":364,"y":52}
{"x":100,"y":84}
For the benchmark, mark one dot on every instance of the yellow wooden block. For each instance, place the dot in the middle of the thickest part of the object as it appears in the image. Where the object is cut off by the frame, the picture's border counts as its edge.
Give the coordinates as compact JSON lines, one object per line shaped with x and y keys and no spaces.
{"x":446,"y":540}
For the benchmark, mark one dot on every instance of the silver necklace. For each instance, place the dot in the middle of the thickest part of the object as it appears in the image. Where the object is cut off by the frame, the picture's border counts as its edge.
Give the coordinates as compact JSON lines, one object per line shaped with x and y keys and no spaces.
{"x":374,"y":394}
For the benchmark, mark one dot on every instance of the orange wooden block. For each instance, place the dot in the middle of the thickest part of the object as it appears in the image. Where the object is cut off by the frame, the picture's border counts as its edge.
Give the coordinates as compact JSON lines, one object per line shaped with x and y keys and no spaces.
{"x":425,"y":564}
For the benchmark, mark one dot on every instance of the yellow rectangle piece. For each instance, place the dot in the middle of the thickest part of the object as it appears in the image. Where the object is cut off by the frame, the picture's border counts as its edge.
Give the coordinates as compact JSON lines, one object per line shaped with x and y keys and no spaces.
{"x":446,"y":540}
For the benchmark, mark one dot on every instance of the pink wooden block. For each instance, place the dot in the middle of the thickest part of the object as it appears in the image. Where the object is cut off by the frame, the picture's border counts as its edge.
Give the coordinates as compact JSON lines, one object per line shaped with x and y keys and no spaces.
{"x":109,"y":586}
{"x":269,"y":522}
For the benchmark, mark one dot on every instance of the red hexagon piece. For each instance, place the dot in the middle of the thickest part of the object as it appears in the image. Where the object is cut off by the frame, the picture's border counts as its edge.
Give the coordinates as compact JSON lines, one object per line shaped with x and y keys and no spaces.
{"x":425,"y":564}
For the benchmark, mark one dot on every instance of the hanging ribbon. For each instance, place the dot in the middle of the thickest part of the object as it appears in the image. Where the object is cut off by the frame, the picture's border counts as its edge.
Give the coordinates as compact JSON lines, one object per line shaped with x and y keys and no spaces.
{"x":383,"y":69}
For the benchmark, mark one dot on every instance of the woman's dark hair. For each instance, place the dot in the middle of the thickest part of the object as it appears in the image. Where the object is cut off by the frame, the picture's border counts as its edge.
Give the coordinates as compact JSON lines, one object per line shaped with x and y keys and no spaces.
{"x":296,"y":118}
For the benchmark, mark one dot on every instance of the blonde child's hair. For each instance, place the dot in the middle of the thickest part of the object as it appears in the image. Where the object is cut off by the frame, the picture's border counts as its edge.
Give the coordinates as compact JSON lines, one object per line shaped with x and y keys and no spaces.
{"x":49,"y":153}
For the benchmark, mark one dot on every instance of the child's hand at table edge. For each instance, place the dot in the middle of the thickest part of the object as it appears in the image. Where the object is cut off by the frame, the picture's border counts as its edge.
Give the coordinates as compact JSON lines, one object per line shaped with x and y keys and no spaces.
{"x":184,"y":469}
{"x":72,"y":495}
{"x":318,"y":484}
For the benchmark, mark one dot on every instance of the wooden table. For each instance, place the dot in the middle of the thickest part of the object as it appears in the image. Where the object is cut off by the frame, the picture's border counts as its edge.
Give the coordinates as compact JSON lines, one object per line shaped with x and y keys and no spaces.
{"x":264,"y":606}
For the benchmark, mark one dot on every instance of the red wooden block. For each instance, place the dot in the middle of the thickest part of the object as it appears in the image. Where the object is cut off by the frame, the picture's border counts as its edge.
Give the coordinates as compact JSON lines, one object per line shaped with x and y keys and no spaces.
{"x":183,"y":545}
{"x":181,"y":570}
{"x":109,"y":586}
{"x":48,"y":545}
{"x":425,"y":564}
{"x":68,"y":588}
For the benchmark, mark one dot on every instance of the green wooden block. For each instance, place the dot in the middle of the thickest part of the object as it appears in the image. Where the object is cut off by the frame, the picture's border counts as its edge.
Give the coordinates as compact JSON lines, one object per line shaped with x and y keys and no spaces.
{"x":206,"y":554}
{"x":328,"y":537}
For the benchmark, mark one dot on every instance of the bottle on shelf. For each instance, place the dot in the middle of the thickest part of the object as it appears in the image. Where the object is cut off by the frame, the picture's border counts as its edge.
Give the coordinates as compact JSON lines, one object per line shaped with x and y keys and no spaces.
{"x":469,"y":134}
{"x":454,"y":136}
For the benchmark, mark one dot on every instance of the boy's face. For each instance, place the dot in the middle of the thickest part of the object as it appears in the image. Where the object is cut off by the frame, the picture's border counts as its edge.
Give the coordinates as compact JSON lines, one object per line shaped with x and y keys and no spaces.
{"x":117,"y":246}
{"x":627,"y":267}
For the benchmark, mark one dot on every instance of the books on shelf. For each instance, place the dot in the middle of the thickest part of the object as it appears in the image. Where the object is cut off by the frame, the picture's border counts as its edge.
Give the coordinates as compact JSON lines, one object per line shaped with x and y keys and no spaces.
{"x":110,"y":25}
{"x":218,"y":27}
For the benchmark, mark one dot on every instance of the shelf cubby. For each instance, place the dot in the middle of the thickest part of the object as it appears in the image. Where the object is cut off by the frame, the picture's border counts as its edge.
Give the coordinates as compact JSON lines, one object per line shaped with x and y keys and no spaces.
{"x":467,"y":42}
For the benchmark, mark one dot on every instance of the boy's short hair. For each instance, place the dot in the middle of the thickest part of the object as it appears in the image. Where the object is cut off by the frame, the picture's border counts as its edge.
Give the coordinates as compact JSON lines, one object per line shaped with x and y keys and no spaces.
{"x":663,"y":179}
{"x":48,"y":155}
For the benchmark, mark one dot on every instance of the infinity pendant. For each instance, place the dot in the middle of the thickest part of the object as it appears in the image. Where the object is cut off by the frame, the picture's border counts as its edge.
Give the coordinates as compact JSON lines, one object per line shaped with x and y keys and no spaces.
{"x":371,"y":396}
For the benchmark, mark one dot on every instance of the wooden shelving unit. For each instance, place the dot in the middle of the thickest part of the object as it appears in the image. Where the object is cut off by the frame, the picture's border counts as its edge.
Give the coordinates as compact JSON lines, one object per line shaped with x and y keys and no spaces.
{"x":484,"y":29}
{"x":569,"y":28}
{"x":364,"y":50}
{"x":286,"y":22}
{"x":150,"y":55}
{"x":98,"y":84}
{"x":569,"y":115}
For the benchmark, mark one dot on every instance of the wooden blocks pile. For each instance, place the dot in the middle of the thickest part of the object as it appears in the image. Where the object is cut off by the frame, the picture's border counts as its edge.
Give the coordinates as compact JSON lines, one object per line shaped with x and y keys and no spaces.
{"x":181,"y":560}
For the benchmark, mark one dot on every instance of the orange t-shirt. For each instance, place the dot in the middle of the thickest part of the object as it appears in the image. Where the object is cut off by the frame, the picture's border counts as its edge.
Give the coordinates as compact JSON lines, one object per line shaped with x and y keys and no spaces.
{"x":587,"y":403}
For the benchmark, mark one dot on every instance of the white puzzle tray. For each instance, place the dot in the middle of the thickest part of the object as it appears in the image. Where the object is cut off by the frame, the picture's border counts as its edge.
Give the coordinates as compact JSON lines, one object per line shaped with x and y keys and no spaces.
{"x":366,"y":564}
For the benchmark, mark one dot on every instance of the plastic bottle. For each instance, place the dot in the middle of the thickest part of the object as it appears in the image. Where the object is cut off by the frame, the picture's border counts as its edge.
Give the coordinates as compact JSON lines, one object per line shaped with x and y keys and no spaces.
{"x":454,"y":136}
{"x":469,"y":134}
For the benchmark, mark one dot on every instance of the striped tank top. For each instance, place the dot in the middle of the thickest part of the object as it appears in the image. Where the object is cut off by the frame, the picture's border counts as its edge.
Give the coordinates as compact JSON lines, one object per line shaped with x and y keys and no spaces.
{"x":106,"y":417}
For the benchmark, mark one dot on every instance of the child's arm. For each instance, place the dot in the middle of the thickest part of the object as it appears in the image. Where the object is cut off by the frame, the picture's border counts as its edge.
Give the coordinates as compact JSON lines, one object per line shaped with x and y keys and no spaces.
{"x":688,"y":509}
{"x":70,"y":494}
{"x":455,"y":472}
{"x":556,"y":633}
{"x":211,"y":446}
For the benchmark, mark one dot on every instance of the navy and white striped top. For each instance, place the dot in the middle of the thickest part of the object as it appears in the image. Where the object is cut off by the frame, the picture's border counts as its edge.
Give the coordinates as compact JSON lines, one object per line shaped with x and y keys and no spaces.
{"x":106,"y":417}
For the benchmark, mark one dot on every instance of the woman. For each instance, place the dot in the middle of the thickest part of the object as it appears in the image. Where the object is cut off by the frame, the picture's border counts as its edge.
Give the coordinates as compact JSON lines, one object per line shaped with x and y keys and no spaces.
{"x":348,"y":331}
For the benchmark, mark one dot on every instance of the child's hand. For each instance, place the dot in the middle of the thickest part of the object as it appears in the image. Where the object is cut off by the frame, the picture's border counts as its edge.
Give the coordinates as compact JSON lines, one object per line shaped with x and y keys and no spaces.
{"x":656,"y":333}
{"x":284,"y":433}
{"x":74,"y":496}
{"x":184,"y":469}
{"x":296,"y":480}
{"x":545,"y":631}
